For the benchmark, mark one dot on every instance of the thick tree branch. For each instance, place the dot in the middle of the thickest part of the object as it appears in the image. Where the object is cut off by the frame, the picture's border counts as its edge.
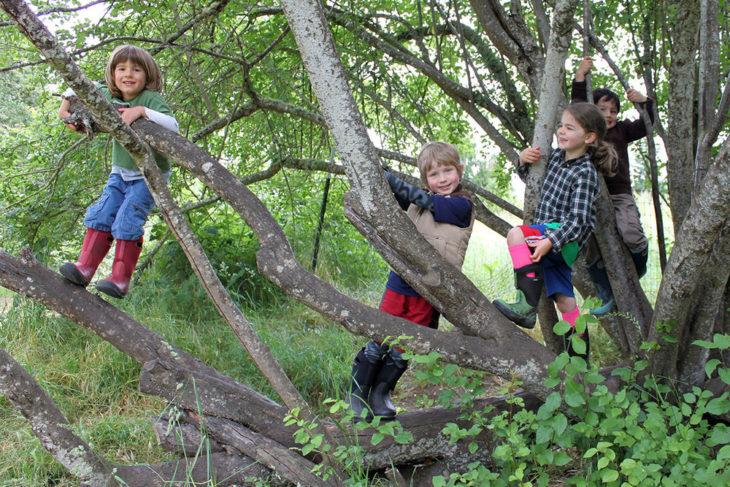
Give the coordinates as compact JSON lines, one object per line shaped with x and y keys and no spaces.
{"x":688,"y":265}
{"x":50,"y":425}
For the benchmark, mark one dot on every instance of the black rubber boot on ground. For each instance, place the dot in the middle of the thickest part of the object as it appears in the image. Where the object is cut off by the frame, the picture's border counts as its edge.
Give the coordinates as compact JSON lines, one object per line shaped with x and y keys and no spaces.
{"x":364,"y":372}
{"x":392,"y":370}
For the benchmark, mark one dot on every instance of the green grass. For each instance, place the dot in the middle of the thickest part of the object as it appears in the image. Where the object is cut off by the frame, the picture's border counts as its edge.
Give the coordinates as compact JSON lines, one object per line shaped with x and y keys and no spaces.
{"x":96,"y":386}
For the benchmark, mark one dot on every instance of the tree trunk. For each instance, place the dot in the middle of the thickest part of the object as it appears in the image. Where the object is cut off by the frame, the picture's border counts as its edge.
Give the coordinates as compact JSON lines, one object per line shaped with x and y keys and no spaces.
{"x":681,"y":140}
{"x":690,"y":265}
{"x":708,"y":86}
{"x":550,"y":100}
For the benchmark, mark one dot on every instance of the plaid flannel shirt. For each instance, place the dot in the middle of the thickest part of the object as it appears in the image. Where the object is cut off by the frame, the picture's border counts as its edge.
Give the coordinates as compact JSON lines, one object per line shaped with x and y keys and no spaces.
{"x":568,"y":192}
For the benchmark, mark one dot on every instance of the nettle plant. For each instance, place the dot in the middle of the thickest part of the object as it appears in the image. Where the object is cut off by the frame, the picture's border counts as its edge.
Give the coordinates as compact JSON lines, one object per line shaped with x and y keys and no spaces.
{"x":645,"y":434}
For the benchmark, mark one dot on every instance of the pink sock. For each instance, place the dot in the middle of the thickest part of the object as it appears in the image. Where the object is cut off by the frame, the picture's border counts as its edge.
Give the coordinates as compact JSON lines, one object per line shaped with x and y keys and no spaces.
{"x":571,"y":316}
{"x":520,"y":254}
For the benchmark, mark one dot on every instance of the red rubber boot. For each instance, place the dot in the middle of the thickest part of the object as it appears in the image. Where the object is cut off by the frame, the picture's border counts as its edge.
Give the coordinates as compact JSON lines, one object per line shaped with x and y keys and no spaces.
{"x":125,"y":260}
{"x":96,"y":246}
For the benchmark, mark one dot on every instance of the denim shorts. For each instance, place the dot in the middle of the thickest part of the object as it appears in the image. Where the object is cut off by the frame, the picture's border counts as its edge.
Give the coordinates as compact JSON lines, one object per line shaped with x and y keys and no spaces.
{"x":122,"y":208}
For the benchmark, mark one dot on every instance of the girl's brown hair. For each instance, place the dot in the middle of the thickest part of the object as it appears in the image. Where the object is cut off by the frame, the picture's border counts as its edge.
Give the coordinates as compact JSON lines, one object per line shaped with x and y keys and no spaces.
{"x":602,"y":153}
{"x":437,"y":153}
{"x":128,"y":52}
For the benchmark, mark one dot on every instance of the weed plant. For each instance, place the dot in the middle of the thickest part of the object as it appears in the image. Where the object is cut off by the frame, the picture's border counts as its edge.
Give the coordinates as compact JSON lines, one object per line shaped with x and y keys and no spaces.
{"x":644,"y":434}
{"x":96,"y":386}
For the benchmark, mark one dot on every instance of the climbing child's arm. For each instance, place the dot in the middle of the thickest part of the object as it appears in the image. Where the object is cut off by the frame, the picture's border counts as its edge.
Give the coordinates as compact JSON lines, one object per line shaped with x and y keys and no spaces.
{"x":409,"y":193}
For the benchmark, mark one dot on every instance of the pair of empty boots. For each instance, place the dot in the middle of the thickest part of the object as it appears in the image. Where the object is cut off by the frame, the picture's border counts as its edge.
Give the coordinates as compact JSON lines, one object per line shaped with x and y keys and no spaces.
{"x":96,"y":246}
{"x":375,"y":372}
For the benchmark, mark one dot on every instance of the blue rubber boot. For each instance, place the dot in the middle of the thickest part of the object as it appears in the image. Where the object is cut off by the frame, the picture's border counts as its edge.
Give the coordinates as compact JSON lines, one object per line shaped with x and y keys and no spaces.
{"x":597,"y":271}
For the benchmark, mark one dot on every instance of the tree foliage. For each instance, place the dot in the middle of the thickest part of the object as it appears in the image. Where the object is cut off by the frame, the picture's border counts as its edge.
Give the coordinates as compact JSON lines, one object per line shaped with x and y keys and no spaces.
{"x":485,"y":76}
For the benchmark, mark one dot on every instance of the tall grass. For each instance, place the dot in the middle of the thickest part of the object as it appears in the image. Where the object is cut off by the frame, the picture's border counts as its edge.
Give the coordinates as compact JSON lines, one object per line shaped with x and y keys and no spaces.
{"x":96,"y":386}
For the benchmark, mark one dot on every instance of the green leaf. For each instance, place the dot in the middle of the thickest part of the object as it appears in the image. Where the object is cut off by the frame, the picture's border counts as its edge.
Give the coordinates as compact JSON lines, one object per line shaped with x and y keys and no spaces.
{"x":724,"y":453}
{"x":719,"y":405}
{"x":609,"y":475}
{"x":686,"y":409}
{"x":574,"y":394}
{"x":307,"y":449}
{"x":579,"y":346}
{"x":722,"y":341}
{"x":551,"y":404}
{"x":560,"y":423}
{"x":711,"y":366}
{"x":593,"y":377}
{"x":561,"y":458}
{"x":724,"y":374}
{"x":623,"y":372}
{"x":720,"y":434}
{"x":317,"y":440}
{"x":404,"y":437}
{"x":557,"y":365}
{"x":628,"y":465}
{"x":377,"y":438}
{"x":561,"y":327}
{"x":544,"y":457}
{"x":544,"y":434}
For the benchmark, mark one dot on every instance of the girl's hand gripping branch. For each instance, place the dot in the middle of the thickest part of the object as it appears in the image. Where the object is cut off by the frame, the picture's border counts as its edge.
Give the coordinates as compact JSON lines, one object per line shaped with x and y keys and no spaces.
{"x":529,"y":156}
{"x":129,"y":115}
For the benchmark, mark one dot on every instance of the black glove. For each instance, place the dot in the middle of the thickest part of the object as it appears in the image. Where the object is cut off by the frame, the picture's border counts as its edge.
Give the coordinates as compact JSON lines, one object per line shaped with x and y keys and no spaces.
{"x":408,"y":192}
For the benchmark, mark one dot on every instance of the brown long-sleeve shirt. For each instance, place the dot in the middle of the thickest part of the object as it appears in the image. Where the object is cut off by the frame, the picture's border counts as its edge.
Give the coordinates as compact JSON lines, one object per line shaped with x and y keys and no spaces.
{"x":620,"y":135}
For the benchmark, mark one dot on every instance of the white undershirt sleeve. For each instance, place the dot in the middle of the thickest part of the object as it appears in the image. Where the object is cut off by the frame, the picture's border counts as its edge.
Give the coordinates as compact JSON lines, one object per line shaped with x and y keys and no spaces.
{"x":161,"y":119}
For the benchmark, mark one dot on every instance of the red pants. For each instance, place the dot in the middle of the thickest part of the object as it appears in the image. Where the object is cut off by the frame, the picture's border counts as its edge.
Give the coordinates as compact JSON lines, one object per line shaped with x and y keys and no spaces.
{"x":412,"y":308}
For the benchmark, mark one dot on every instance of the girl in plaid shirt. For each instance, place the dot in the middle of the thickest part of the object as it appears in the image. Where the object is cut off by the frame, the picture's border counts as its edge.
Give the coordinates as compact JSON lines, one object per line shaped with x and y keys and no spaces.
{"x":564,"y":219}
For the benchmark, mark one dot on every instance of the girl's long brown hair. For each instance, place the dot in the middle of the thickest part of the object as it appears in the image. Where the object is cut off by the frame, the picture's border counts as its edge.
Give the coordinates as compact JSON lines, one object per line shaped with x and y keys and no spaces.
{"x":602,"y":153}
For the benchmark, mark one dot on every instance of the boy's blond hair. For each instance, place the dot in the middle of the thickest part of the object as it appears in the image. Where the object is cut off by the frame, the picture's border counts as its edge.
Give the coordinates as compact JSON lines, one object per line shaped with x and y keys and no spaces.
{"x":128,"y":52}
{"x":434,"y":154}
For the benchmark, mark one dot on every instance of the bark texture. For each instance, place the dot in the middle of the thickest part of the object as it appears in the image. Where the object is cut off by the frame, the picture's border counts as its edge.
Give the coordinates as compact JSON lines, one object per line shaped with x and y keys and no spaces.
{"x":681,"y":101}
{"x":689,"y":266}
